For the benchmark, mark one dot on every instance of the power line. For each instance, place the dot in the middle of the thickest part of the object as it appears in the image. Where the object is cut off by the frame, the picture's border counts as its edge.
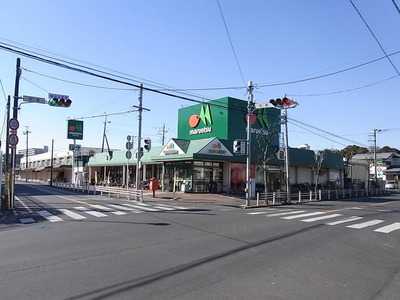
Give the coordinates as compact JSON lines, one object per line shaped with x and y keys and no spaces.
{"x":374,"y":36}
{"x":230,"y":41}
{"x":397,"y":7}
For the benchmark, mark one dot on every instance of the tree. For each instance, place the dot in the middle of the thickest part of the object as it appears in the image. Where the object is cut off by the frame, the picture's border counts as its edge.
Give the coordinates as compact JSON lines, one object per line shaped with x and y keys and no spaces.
{"x":386,"y":149}
{"x":267,"y":151}
{"x":352,"y":150}
{"x":319,"y":157}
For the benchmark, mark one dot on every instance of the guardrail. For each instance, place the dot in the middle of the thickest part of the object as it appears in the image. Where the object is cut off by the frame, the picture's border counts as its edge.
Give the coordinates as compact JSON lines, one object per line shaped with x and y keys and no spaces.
{"x":110,"y":191}
{"x":274,"y":198}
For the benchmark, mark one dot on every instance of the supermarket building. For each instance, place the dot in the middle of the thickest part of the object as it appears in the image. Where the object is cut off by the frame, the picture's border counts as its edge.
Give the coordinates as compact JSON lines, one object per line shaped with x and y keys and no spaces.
{"x":201,"y":158}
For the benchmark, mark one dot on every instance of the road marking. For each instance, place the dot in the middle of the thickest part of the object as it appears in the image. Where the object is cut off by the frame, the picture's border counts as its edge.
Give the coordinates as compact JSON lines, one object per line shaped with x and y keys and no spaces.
{"x":389,"y":228}
{"x":322,"y":218}
{"x":47,"y":215}
{"x":285,"y":213}
{"x":24,"y":205}
{"x":90,"y":212}
{"x":304,"y":215}
{"x":264,"y":211}
{"x":141,"y":207}
{"x":345,"y":220}
{"x":365,"y":224}
{"x":123,"y":207}
{"x":71,"y":214}
{"x":107,"y":209}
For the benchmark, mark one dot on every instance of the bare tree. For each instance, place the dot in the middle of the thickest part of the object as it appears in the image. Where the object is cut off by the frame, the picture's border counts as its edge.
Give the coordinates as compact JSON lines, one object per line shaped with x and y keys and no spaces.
{"x":319,"y":157}
{"x":267,"y":152}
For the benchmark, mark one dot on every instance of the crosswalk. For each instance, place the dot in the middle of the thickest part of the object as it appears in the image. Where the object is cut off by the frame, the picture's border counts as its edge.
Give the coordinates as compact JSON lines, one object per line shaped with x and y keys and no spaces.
{"x":329,"y":218}
{"x":97,"y":211}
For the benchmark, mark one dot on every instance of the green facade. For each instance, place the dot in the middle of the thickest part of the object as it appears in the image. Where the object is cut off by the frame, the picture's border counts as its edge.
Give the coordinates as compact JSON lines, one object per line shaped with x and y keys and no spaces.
{"x":225,"y":118}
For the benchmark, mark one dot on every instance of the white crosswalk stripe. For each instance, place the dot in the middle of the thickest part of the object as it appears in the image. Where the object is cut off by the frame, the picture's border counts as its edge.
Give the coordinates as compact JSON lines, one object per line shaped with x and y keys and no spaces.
{"x":47,"y":215}
{"x":345,"y":220}
{"x":71,"y":214}
{"x":90,"y":212}
{"x":331,"y":216}
{"x":365,"y":224}
{"x":123,"y":207}
{"x":304,"y":215}
{"x":108,"y":209}
{"x":141,"y":207}
{"x":389,"y":228}
{"x":285,"y":213}
{"x":289,"y":214}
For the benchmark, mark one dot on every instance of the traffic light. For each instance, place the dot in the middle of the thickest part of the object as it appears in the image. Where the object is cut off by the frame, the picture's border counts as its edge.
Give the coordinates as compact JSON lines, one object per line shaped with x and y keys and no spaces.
{"x":147,"y":144}
{"x":237,"y":147}
{"x":285,"y":102}
{"x":58,"y":102}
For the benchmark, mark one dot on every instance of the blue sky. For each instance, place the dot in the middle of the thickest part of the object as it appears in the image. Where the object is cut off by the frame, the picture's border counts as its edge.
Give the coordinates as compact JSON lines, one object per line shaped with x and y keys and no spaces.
{"x":183,"y":44}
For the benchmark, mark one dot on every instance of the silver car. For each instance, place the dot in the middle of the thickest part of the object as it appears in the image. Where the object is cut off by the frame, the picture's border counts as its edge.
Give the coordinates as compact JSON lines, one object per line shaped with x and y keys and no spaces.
{"x":391,"y":184}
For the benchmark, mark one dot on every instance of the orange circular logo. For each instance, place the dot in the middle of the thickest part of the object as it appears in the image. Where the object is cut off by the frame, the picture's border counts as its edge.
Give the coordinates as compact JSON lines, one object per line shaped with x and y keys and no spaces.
{"x":194,"y":121}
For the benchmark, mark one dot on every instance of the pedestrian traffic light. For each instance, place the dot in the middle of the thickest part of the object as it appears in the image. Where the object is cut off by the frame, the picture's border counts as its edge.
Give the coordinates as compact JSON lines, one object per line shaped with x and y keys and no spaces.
{"x":285,"y":102}
{"x":59,"y":102}
{"x":237,"y":147}
{"x":147,"y":144}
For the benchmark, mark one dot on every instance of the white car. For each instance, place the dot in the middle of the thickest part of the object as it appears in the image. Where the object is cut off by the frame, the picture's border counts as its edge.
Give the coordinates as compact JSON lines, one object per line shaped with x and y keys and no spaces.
{"x":391,"y":184}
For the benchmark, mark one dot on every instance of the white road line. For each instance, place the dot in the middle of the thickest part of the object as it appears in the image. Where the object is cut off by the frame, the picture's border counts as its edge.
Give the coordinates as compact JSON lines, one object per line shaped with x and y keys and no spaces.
{"x":71,"y":214}
{"x":285,"y":213}
{"x":145,"y":208}
{"x":90,"y":212}
{"x":108,"y":209}
{"x":47,"y":215}
{"x":123,"y":207}
{"x":304,"y":215}
{"x":173,"y":207}
{"x":345,"y":220}
{"x":264,"y":211}
{"x":389,"y":228}
{"x":365,"y":224}
{"x":164,"y":207}
{"x":322,"y":218}
{"x":24,"y":205}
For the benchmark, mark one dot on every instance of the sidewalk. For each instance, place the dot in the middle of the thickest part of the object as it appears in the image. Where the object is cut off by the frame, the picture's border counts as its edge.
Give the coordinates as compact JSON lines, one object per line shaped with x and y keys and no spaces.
{"x":220,"y":199}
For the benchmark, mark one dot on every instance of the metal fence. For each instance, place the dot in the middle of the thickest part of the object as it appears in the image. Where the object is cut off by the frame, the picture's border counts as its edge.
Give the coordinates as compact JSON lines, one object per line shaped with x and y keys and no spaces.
{"x":274,"y":198}
{"x":110,"y":191}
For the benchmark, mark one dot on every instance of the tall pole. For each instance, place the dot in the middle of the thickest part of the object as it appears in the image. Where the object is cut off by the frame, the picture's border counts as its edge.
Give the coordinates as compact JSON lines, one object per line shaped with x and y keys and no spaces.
{"x":51,"y":162}
{"x":15,"y":115}
{"x":139,"y":151}
{"x":287,"y":165}
{"x":104,"y":131}
{"x":26,"y":132}
{"x":250,"y":108}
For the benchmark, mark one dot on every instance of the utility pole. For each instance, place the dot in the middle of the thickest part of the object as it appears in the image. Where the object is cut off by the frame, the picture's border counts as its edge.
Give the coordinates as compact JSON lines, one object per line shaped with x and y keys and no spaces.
{"x":287,"y":164}
{"x":104,"y":131}
{"x":139,"y":151}
{"x":15,"y":116}
{"x":162,"y":131}
{"x":250,"y":109}
{"x":26,"y":132}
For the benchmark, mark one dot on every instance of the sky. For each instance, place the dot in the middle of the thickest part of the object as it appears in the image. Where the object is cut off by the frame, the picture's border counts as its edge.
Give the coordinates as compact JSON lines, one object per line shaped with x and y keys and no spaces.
{"x":339,"y":59}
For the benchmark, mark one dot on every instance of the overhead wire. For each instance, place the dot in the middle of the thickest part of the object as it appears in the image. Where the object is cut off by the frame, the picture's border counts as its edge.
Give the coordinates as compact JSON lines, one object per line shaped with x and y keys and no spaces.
{"x":397,"y":7}
{"x":374,"y":36}
{"x":231,"y":43}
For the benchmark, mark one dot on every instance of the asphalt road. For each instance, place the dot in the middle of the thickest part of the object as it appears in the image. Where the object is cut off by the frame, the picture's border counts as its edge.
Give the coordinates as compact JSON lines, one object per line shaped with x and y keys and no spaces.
{"x":65,"y":245}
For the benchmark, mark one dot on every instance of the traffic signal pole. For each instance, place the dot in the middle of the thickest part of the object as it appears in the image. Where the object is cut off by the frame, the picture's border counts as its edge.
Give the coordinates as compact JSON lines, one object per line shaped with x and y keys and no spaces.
{"x":250,"y":109}
{"x":139,"y":152}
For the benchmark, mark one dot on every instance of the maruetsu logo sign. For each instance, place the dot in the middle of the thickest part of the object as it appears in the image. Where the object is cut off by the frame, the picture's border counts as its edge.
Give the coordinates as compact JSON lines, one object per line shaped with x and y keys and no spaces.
{"x":204,"y":120}
{"x":262,"y":118}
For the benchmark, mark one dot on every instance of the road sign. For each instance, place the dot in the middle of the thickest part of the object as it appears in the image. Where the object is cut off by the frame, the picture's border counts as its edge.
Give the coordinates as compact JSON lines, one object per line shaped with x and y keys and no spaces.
{"x":13,"y":124}
{"x":129,"y":146}
{"x":263,"y":105}
{"x":128,"y":154}
{"x":73,"y":147}
{"x":13,"y":139}
{"x":33,"y":99}
{"x":58,"y":96}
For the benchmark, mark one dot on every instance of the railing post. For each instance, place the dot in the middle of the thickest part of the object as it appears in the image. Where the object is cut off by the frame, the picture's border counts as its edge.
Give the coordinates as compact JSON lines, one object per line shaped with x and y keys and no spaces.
{"x":311,"y":195}
{"x":299,"y":196}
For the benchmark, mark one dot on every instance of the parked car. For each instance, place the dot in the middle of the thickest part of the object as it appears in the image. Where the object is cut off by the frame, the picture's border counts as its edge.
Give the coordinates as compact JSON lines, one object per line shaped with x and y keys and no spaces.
{"x":391,"y":184}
